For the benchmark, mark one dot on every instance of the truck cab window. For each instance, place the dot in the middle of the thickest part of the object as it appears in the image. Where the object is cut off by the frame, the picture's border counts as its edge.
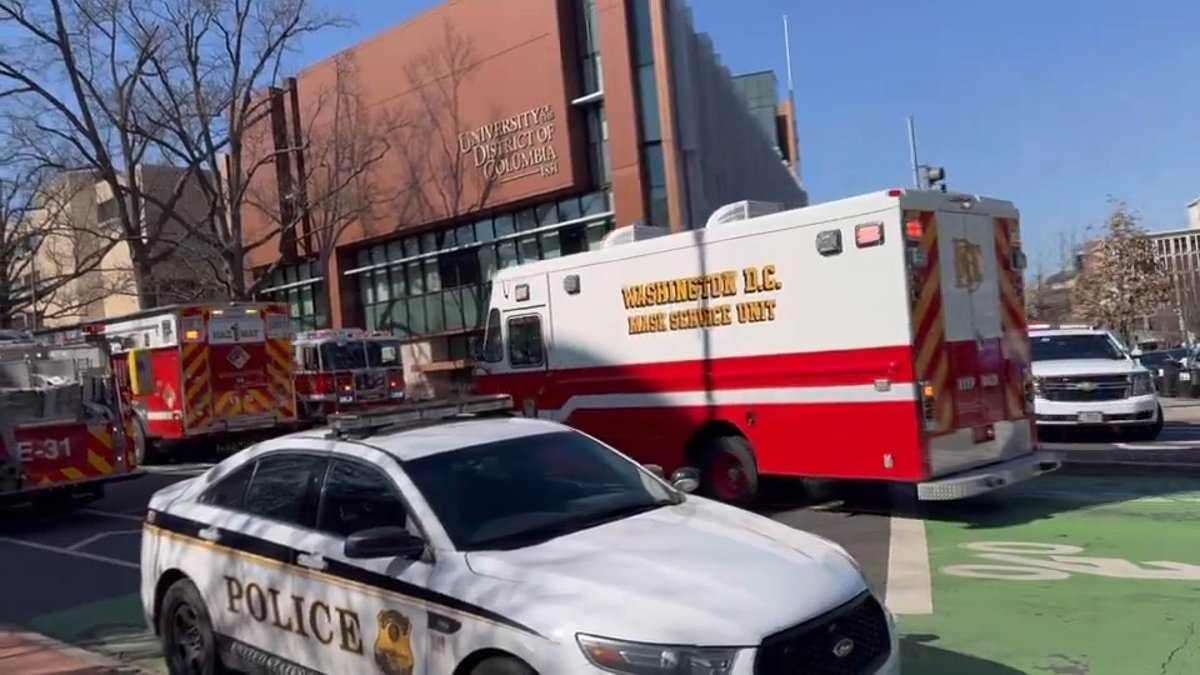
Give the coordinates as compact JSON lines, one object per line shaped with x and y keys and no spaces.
{"x":525,"y":341}
{"x":493,"y":346}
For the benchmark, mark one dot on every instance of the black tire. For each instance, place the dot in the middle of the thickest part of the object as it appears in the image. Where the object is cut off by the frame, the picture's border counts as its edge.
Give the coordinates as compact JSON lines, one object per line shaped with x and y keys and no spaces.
{"x":188,"y":642}
{"x":728,"y":471}
{"x":141,"y":444}
{"x":502,"y":665}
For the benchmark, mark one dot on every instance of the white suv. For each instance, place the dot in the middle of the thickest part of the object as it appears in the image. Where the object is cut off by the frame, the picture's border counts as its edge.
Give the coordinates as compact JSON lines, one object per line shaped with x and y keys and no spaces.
{"x":1083,"y":377}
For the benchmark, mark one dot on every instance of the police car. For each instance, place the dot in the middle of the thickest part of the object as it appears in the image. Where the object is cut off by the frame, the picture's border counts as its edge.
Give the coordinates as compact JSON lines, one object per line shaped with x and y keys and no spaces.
{"x":445,"y":538}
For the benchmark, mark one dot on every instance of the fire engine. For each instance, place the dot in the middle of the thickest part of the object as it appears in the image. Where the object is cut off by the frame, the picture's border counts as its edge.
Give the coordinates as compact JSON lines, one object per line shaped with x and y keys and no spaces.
{"x":221,"y":373}
{"x":63,"y":432}
{"x":880,"y":337}
{"x":346,"y":370}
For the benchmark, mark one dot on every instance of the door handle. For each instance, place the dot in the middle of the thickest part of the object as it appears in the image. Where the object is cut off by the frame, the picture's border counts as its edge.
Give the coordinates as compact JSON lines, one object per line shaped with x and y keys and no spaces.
{"x":312,"y":561}
{"x":209,"y":534}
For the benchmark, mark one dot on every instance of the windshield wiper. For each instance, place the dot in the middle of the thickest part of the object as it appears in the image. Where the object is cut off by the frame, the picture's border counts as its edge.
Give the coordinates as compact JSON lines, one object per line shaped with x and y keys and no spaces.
{"x":561,"y":528}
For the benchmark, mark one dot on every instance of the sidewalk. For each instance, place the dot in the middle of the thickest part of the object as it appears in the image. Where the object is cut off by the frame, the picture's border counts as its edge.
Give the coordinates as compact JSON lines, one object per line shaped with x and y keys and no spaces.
{"x":26,"y":653}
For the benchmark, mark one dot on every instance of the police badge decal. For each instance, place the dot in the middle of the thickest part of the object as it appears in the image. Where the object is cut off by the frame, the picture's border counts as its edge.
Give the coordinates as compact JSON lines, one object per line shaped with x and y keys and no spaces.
{"x":393,"y":644}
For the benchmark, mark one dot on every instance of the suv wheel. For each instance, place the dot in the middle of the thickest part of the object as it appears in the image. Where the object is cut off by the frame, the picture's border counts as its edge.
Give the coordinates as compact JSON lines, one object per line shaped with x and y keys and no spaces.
{"x":1149,"y":432}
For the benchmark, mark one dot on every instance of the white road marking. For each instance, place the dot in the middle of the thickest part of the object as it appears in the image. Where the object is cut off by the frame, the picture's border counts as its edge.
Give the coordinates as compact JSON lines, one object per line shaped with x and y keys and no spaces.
{"x":97,"y":537}
{"x":110,"y":514}
{"x":67,"y":551}
{"x":909,"y":588}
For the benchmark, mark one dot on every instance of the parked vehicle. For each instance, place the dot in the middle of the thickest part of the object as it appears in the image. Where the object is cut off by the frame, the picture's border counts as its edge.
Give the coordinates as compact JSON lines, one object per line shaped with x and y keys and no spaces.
{"x":346,"y":370}
{"x":217,"y":373}
{"x":433,"y":538}
{"x":63,"y":432}
{"x":880,"y":337}
{"x":1083,"y":378}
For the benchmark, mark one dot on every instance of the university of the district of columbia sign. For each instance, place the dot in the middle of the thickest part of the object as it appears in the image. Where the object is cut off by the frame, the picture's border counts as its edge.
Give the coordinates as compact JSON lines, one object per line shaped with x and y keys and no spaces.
{"x":513,"y":147}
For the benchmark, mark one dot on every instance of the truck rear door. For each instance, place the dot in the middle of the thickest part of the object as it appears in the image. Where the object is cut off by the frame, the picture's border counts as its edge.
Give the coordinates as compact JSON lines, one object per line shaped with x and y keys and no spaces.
{"x":983,"y":330}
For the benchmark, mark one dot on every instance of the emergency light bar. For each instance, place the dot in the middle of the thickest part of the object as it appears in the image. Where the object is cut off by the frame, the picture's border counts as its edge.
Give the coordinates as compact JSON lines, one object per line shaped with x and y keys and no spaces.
{"x":415,"y":413}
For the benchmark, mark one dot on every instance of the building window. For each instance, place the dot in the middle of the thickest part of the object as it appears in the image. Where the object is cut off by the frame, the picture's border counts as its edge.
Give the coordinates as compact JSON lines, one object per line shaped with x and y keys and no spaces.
{"x":445,"y":288}
{"x":648,"y":116}
{"x":302,"y":287}
{"x":589,"y":48}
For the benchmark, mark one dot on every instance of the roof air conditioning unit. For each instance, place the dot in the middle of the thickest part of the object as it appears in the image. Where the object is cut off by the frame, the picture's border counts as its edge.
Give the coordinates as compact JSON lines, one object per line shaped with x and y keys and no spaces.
{"x":743,"y":210}
{"x":630,"y":233}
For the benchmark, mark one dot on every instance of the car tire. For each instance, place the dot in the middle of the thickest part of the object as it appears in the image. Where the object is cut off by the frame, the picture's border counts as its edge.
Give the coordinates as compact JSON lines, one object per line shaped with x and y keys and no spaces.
{"x":188,"y":642}
{"x":502,"y":665}
{"x":728,"y":472}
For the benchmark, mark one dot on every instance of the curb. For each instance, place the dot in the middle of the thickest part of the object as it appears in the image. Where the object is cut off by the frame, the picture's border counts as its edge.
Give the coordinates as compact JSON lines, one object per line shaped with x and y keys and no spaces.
{"x":1144,"y":465}
{"x":22,"y":651}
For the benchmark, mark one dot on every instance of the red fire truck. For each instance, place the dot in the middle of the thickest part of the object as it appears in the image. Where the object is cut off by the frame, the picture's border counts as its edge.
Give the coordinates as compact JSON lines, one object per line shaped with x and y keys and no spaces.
{"x":346,"y":371}
{"x":221,"y":373}
{"x":880,"y":337}
{"x":63,"y":433}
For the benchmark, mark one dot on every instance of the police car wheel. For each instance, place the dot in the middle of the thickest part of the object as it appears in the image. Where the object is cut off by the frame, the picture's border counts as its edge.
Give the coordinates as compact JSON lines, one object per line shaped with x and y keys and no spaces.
{"x":502,"y":665}
{"x":189,"y":646}
{"x":728,"y":471}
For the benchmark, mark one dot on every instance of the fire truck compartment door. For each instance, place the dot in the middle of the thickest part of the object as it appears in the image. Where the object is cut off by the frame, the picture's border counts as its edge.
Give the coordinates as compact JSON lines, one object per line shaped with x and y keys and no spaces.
{"x":141,"y":373}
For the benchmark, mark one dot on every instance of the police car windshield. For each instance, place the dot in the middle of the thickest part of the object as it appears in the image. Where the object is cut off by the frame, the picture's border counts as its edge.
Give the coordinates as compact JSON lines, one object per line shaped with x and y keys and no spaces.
{"x":1087,"y":346}
{"x":523,"y":491}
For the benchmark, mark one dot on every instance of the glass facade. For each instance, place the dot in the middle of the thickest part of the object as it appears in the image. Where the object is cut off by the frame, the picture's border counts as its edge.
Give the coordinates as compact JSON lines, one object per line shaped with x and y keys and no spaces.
{"x":439,"y":282}
{"x":759,"y":92}
{"x":302,"y":287}
{"x":648,"y":118}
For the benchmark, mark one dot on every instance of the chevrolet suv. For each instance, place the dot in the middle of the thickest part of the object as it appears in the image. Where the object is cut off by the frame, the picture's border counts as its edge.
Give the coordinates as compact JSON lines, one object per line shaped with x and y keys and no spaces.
{"x":1084,"y":378}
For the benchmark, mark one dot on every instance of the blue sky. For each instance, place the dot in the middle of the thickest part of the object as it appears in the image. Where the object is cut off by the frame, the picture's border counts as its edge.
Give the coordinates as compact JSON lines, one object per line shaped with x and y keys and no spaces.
{"x":1054,"y":105}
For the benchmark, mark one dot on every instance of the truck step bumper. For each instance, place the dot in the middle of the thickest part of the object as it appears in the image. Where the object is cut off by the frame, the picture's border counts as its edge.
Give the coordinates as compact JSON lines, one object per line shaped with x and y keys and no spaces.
{"x":987,"y":478}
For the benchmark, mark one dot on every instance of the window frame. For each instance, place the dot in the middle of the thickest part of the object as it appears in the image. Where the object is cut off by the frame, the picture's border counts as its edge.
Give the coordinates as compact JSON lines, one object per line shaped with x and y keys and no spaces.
{"x":256,"y":461}
{"x":541,"y":363}
{"x":411,"y":522}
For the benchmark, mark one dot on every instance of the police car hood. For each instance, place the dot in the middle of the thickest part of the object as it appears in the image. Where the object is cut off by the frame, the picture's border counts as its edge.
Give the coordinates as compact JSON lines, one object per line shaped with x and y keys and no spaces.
{"x":1075,"y":367}
{"x":696,"y":573}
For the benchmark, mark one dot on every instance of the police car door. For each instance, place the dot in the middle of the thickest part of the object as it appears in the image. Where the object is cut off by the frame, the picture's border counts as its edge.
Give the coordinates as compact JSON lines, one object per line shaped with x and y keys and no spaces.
{"x":382,"y":625}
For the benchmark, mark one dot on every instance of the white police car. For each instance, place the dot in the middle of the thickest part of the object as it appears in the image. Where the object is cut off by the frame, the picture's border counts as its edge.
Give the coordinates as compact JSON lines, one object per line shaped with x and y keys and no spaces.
{"x":490,"y":546}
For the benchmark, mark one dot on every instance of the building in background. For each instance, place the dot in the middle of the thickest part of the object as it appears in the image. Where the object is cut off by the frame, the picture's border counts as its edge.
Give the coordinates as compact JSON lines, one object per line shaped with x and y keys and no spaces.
{"x":519,"y":130}
{"x":1179,"y":253}
{"x":775,"y":118}
{"x":78,"y":230}
{"x":1193,"y":209}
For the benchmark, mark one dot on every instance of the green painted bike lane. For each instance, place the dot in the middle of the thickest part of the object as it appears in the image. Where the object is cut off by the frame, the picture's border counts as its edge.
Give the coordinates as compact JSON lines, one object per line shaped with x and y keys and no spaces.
{"x":113,"y":627}
{"x":1063,"y":575}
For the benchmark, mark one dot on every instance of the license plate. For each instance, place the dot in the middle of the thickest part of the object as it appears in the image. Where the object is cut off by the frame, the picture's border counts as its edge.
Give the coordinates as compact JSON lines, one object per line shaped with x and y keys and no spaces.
{"x":1185,"y":377}
{"x":1091,"y":418}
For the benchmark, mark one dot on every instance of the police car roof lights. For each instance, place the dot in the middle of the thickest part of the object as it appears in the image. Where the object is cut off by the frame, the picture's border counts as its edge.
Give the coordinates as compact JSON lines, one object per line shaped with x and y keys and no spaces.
{"x":410,"y":414}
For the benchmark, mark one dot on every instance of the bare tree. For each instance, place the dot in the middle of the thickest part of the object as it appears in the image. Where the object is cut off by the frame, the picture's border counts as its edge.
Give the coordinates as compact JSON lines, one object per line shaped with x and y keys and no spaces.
{"x":1122,"y":281}
{"x":207,"y":104}
{"x":70,"y":78}
{"x":50,"y":265}
{"x":333,"y":182}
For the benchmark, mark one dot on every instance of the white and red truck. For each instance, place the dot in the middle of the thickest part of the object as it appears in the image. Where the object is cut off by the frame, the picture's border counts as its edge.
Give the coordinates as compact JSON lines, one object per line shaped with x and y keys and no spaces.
{"x":63,"y":432}
{"x":217,"y":374}
{"x":346,"y":370}
{"x":880,"y":337}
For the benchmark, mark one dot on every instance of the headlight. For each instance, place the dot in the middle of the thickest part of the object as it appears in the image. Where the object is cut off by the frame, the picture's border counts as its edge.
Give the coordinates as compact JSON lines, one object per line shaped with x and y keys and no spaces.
{"x":639,"y":658}
{"x":1037,"y":386}
{"x":1142,"y":384}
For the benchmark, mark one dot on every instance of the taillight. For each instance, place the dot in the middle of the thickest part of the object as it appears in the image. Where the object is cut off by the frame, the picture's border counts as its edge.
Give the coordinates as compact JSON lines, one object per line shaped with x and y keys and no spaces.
{"x":395,"y":383}
{"x":929,"y":406}
{"x":345,"y":388}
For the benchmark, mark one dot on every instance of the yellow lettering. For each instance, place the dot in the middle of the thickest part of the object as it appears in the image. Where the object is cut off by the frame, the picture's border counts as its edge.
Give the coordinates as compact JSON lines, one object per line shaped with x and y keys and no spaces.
{"x":726,"y":318}
{"x":633,"y":296}
{"x":770,"y":283}
{"x":729,"y":283}
{"x":769,"y":306}
{"x":750,"y":279}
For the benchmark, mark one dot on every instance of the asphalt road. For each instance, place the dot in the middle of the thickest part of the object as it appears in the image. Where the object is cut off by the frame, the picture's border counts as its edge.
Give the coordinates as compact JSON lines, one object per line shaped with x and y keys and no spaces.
{"x":74,"y":575}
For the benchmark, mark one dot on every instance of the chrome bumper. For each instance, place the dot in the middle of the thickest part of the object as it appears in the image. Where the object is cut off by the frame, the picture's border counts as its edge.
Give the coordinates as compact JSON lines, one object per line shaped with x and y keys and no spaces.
{"x":987,"y":478}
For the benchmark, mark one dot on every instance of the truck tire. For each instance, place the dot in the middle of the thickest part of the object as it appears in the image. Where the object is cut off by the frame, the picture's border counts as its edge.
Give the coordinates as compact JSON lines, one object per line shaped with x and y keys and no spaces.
{"x":728,"y":472}
{"x":188,"y":642}
{"x":144,"y":451}
{"x":502,"y":665}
